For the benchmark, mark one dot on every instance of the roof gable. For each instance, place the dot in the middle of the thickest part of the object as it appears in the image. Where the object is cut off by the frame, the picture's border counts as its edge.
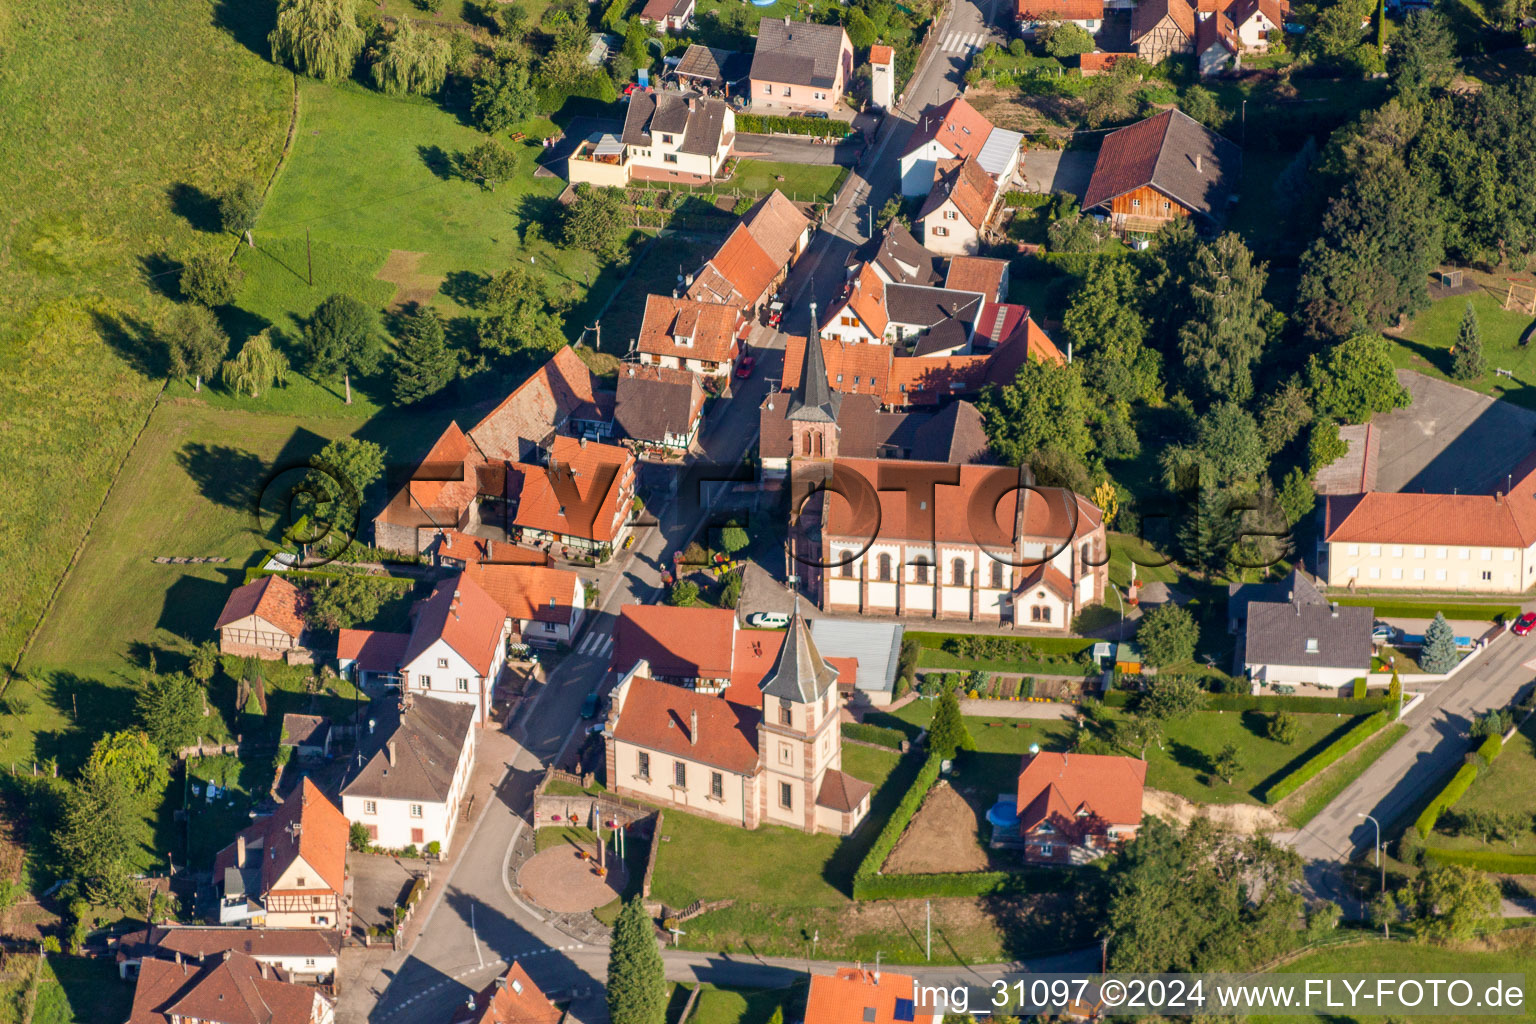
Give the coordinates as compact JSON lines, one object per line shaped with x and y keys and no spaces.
{"x":463,"y":616}
{"x":270,"y":598}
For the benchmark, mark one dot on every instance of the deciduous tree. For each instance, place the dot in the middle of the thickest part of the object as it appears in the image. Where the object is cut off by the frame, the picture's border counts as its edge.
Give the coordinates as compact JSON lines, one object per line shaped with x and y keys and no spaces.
{"x":488,"y":164}
{"x":1171,"y":697}
{"x":210,"y":280}
{"x":195,"y":344}
{"x":411,"y":61}
{"x":1282,"y":728}
{"x":1355,"y":379}
{"x":239,"y":206}
{"x":1456,"y":901}
{"x":256,"y":367}
{"x":1109,"y":333}
{"x":1066,"y":39}
{"x":593,"y":222}
{"x":1423,"y":55}
{"x":501,"y":96}
{"x":318,"y":38}
{"x":1227,"y":763}
{"x":1044,"y":408}
{"x":340,"y":337}
{"x":1167,"y":635}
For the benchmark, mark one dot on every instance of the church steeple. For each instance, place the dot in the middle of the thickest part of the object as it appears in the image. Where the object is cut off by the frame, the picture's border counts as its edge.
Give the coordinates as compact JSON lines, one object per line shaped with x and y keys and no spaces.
{"x":799,"y":674}
{"x":813,"y":400}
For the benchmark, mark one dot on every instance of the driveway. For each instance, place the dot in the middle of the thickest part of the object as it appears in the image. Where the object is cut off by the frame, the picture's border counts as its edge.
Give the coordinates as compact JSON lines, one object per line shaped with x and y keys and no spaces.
{"x":789,"y":149}
{"x":1057,"y":170}
{"x":1449,"y":439}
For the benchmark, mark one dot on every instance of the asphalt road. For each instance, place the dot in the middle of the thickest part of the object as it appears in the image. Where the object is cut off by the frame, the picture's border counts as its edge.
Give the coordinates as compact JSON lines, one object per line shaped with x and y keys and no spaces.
{"x":1435,"y":744}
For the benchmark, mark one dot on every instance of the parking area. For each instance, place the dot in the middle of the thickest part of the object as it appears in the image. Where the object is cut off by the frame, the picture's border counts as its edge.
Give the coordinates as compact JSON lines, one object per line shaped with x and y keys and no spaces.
{"x":1449,"y":439}
{"x":1057,"y":170}
{"x":379,"y":884}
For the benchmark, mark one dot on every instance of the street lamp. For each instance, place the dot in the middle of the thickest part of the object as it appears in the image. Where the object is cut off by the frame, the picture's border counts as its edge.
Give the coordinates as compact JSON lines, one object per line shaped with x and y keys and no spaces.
{"x":1379,"y":862}
{"x":1120,"y":636}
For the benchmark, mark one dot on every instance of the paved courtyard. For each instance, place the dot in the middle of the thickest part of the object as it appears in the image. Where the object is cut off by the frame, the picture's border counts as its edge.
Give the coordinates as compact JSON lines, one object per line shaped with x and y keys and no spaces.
{"x":561,"y":879}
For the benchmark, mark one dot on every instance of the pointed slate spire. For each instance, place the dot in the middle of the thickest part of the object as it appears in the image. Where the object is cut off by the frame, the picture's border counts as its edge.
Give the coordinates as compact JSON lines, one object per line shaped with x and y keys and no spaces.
{"x":800,"y":673}
{"x":813,"y":400}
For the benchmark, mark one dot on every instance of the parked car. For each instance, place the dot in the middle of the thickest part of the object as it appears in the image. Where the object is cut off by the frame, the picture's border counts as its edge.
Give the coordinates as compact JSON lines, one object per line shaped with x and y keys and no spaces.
{"x":744,"y":368}
{"x":1382,"y":633}
{"x":590,"y":703}
{"x":597,"y":729}
{"x":1524,"y":624}
{"x":768,"y":620}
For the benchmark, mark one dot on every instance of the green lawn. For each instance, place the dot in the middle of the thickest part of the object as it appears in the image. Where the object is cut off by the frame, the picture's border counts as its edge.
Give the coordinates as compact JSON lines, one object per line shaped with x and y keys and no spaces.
{"x":1426,"y":345}
{"x":702,"y":859}
{"x":70,"y":990}
{"x":740,"y":1005}
{"x":1505,"y":785}
{"x":1413,"y":960}
{"x":802,"y":182}
{"x":122,"y":121}
{"x":733,"y":23}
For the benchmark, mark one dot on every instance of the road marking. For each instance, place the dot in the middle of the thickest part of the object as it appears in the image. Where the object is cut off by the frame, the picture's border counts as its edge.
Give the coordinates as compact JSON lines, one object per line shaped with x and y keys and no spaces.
{"x":474,"y":934}
{"x":595,"y":644}
{"x":963,"y":42}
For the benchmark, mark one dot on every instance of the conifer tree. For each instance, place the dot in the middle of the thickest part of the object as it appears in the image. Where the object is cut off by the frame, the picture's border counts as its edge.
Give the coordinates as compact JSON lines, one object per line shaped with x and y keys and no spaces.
{"x":637,"y":986}
{"x":1467,"y":360}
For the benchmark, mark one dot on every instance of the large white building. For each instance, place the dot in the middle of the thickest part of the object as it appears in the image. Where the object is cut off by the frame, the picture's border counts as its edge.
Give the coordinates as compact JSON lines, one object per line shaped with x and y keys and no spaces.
{"x":668,"y":136}
{"x":407,"y":784}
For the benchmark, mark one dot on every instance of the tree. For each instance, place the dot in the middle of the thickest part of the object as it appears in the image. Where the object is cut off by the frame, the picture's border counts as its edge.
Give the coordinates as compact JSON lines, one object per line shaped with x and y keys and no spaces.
{"x":204,"y":661}
{"x":104,"y":825}
{"x":637,"y":987}
{"x":424,"y":364}
{"x":947,"y":732}
{"x":1227,"y":763}
{"x":318,"y":38}
{"x":1225,"y":334}
{"x":501,"y":96}
{"x":1467,"y":357}
{"x":1227,"y":444}
{"x":1423,"y":56}
{"x":358,"y":838}
{"x":1199,"y":899}
{"x":1074,"y":232}
{"x":518,"y":314}
{"x":342,"y":335}
{"x":1355,"y":379}
{"x":1044,"y":408}
{"x":1394,"y":689}
{"x":239,"y":206}
{"x":344,"y":602}
{"x":733,"y":539}
{"x":1109,"y":334}
{"x":195,"y":344}
{"x":1282,"y":415}
{"x":594,"y":220}
{"x":1200,"y":103}
{"x":169,"y":707}
{"x":130,"y":758}
{"x":1382,"y":911}
{"x":210,"y":280}
{"x":256,"y":367}
{"x":861,"y":31}
{"x":730,"y":593}
{"x":1167,"y":635}
{"x":344,"y":470}
{"x":1324,"y":445}
{"x":488,"y":164}
{"x":1067,"y":39}
{"x":684,"y":594}
{"x":1456,"y":901}
{"x":1137,"y":733}
{"x":411,"y":62}
{"x":1370,"y":265}
{"x":1282,"y":728}
{"x":1297,"y":498}
{"x":1207,"y":533}
{"x":1439,"y":652}
{"x":1171,"y":698}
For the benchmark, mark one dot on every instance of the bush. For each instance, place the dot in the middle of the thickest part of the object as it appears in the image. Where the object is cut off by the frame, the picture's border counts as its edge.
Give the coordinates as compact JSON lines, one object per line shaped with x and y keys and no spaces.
{"x":1267,"y":702}
{"x":210,"y":280}
{"x":766,"y":124}
{"x":1328,"y":755}
{"x":896,"y":824}
{"x":1026,"y":687}
{"x":1445,"y":799}
{"x":892,"y":738}
{"x":1485,"y":860}
{"x":1360,"y":688}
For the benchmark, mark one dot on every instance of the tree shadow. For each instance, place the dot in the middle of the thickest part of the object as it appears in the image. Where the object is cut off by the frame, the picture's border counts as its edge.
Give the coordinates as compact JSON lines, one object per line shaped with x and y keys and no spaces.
{"x":134,"y":340}
{"x":198,"y":208}
{"x":1189,"y":757}
{"x":1256,"y":722}
{"x":464,"y":287}
{"x":90,"y":707}
{"x":247,"y":23}
{"x":225,"y":475}
{"x":544,"y":210}
{"x":161,"y":274}
{"x":439,"y":161}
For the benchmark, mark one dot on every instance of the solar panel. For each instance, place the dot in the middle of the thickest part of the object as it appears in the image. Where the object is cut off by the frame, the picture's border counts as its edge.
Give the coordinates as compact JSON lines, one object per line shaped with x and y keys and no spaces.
{"x":905,"y":1010}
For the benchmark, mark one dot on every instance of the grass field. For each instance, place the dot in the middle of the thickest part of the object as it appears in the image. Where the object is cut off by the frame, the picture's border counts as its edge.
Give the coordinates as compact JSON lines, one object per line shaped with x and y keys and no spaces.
{"x":802,"y":183}
{"x":70,"y":990}
{"x":129,"y":116}
{"x":1425,"y":345}
{"x":1506,"y":953}
{"x":718,"y":1005}
{"x":1321,"y":791}
{"x":1505,"y":785}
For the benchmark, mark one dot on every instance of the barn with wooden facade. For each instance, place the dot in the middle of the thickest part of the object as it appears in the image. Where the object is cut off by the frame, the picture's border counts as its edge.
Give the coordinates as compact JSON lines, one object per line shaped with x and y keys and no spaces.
{"x":263,"y":619}
{"x":1158,"y":170}
{"x":1162,"y":28}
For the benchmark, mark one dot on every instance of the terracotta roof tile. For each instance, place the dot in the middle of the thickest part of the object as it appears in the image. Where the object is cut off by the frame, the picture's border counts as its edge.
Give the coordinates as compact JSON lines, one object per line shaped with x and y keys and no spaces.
{"x":234,"y":990}
{"x":1060,"y":10}
{"x":965,"y":184}
{"x":583,"y":466}
{"x":679,"y":643}
{"x":852,"y":367}
{"x":197,"y":941}
{"x":1467,"y":520}
{"x":511,"y":999}
{"x":1109,"y":788}
{"x":1162,"y":152}
{"x":879,"y":54}
{"x":711,"y":326}
{"x":537,"y":408}
{"x":1217,"y":30}
{"x":1148,"y":14}
{"x":955,"y":125}
{"x":853,"y":996}
{"x":1099,"y":63}
{"x":776,"y":224}
{"x":977,"y":274}
{"x":658,"y":716}
{"x":305,"y":825}
{"x":272,"y":598}
{"x":374,"y":650}
{"x":738,"y":274}
{"x":463,"y":616}
{"x":526,"y":592}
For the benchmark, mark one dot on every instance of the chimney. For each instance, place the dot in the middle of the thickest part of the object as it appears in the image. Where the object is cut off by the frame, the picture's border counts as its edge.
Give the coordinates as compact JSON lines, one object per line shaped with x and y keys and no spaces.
{"x":391,"y":746}
{"x":1498,"y":497}
{"x":177,"y":955}
{"x":1335,"y":609}
{"x":583,"y":442}
{"x":693,"y":104}
{"x":240,"y":851}
{"x":488,"y":550}
{"x":693,"y":728}
{"x":1199,"y":162}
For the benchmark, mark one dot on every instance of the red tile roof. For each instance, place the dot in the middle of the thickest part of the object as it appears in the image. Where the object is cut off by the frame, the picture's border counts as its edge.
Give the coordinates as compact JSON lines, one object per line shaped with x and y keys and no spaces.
{"x":373,"y":650}
{"x":539,"y":405}
{"x":529,"y":591}
{"x":853,"y":367}
{"x":659,"y":716}
{"x":737,"y":274}
{"x":710,"y":325}
{"x":866,"y":300}
{"x":840,"y":791}
{"x":271,"y":598}
{"x":881,"y":54}
{"x":1466,"y":520}
{"x":1048,"y":511}
{"x":1098,"y":63}
{"x":1105,"y":787}
{"x":307,"y":826}
{"x":1217,"y":30}
{"x":1060,"y":10}
{"x":582,"y":466}
{"x":977,"y":274}
{"x":1148,"y":14}
{"x":955,"y":125}
{"x":776,"y":224}
{"x":677,"y":642}
{"x":966,"y":185}
{"x":461,"y":614}
{"x":511,"y":999}
{"x":1273,"y":10}
{"x":461,"y":546}
{"x":235,"y":990}
{"x":853,"y":996}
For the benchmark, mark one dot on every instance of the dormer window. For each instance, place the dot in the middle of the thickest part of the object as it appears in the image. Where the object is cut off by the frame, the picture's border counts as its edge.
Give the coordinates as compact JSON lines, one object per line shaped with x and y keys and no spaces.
{"x":1311,"y":645}
{"x":685,"y":340}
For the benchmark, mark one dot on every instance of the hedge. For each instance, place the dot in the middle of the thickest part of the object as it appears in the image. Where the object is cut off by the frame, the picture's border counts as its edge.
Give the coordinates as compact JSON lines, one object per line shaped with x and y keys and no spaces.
{"x":1445,"y":799}
{"x":892,"y":738}
{"x":1490,"y":748}
{"x":772,"y":124}
{"x":1017,"y":199}
{"x":1486,"y":860}
{"x":1314,"y":765}
{"x":1069,"y":645}
{"x":1248,"y":702}
{"x":962,"y":885}
{"x":1427,"y":611}
{"x":257,"y":573}
{"x":895,"y":825}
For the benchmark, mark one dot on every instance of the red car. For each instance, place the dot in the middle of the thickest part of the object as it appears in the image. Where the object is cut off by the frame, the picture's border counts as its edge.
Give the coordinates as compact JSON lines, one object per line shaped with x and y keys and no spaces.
{"x":744,"y":368}
{"x":1524,"y":624}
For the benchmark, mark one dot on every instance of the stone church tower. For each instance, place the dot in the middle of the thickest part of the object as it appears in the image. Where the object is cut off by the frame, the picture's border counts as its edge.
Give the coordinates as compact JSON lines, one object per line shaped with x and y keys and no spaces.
{"x":813,"y":405}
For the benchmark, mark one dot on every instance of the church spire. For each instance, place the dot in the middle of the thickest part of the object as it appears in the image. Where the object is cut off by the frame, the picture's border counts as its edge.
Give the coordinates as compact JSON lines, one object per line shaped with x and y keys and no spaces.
{"x":799,"y":674}
{"x":813,"y":400}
